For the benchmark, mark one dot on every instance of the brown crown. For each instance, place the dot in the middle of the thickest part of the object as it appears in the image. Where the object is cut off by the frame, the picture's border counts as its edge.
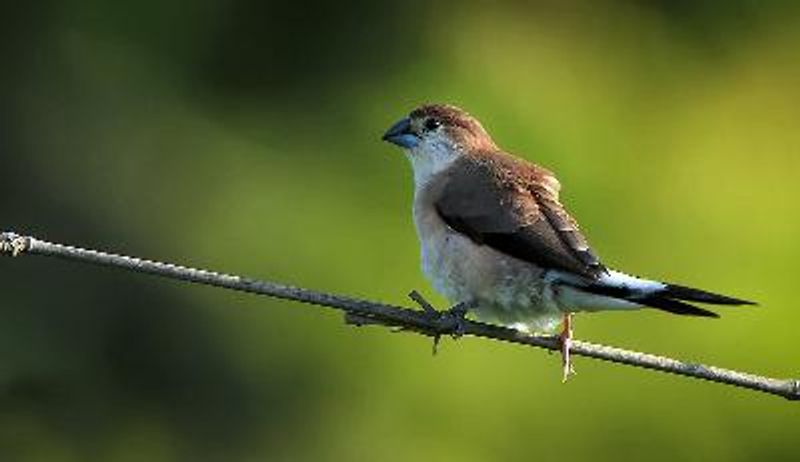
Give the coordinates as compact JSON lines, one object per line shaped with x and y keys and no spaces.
{"x":460,"y":125}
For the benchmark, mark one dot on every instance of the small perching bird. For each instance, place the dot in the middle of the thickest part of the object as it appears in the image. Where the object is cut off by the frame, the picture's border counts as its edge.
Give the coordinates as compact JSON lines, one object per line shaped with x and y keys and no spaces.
{"x":495,"y":237}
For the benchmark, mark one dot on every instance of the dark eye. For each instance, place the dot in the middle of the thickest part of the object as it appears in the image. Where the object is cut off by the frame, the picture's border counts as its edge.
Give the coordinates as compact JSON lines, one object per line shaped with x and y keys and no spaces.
{"x":432,"y":124}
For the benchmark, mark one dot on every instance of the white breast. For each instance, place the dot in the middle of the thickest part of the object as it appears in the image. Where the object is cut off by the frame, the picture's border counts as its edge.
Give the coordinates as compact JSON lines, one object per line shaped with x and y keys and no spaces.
{"x":507,"y":290}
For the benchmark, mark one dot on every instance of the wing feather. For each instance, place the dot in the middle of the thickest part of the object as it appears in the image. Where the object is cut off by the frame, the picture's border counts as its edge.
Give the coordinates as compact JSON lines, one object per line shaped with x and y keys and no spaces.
{"x":512,"y":206}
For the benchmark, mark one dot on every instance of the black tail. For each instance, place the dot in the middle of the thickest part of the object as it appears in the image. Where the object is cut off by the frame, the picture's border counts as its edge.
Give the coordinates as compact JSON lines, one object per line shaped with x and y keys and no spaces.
{"x":701,"y":296}
{"x":673,"y":298}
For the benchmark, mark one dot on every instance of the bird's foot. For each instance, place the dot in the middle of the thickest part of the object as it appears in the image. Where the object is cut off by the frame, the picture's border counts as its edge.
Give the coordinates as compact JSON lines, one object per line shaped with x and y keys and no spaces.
{"x":566,"y":343}
{"x":450,"y":322}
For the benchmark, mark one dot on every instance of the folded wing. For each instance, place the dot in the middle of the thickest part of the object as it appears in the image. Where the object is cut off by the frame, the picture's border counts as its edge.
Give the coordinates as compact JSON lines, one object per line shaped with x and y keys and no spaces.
{"x":512,"y":206}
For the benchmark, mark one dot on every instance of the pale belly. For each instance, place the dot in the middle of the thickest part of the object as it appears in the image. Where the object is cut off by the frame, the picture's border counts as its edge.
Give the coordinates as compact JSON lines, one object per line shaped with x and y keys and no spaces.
{"x":505,"y":290}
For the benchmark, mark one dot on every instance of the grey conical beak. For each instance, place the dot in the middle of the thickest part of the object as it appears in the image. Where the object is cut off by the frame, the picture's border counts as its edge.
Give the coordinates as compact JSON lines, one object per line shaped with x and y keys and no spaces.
{"x":401,"y":134}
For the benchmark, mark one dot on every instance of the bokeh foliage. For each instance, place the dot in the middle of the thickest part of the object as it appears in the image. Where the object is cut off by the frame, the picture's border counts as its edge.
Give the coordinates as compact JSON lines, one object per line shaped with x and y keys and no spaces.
{"x":244,"y":136}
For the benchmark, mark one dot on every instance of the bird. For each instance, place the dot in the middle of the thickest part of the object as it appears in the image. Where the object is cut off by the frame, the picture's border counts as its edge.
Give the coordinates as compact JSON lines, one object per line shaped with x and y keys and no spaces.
{"x":495,"y":237}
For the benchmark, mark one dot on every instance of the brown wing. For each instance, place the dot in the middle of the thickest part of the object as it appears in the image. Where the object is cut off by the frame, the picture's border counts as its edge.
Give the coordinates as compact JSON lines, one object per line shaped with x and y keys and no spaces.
{"x":512,"y":206}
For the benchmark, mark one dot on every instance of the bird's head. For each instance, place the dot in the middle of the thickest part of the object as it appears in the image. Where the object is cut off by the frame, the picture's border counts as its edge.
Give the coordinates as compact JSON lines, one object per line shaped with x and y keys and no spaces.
{"x":434,"y":135}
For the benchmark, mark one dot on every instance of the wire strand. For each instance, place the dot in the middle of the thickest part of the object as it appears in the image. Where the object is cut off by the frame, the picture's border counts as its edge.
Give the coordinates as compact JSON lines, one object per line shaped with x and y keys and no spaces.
{"x":426,"y":321}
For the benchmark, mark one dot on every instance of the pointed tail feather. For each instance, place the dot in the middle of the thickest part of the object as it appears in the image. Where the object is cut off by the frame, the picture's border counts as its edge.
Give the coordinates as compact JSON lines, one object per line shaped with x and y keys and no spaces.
{"x":672,"y":298}
{"x":674,"y":306}
{"x":696,"y":295}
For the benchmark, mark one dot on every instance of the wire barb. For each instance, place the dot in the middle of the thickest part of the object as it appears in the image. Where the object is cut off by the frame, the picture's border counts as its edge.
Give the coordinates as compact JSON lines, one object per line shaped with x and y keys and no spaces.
{"x":428,"y":322}
{"x":13,"y":244}
{"x":423,"y":303}
{"x":449,"y":322}
{"x":794,"y":391}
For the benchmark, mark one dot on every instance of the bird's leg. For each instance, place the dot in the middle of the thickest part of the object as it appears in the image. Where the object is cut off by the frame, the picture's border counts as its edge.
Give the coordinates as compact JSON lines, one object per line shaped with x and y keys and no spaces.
{"x":566,"y":343}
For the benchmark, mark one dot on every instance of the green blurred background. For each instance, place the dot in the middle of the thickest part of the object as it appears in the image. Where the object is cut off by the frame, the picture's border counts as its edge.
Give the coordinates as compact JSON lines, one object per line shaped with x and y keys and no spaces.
{"x":245,"y":136}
